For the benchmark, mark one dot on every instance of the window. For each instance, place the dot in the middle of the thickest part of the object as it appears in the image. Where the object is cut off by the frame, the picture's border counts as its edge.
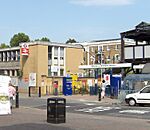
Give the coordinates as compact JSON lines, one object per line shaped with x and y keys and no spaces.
{"x":49,"y":70}
{"x":18,"y":55}
{"x":49,"y":50}
{"x":56,"y":52}
{"x":49,"y":53}
{"x":62,"y":52}
{"x":0,"y":56}
{"x":4,"y":56}
{"x":108,"y":49}
{"x":92,"y":49}
{"x":61,"y":72}
{"x":146,"y":90}
{"x":117,"y":47}
{"x":55,"y":73}
{"x":117,"y":57}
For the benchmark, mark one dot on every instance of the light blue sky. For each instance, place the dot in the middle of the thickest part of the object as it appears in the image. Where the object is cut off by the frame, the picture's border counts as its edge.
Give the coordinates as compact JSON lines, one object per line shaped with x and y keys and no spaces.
{"x":59,"y":20}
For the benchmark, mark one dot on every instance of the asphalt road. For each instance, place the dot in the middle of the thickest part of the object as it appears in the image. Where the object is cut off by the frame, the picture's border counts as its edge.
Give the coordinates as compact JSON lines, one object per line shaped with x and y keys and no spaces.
{"x":80,"y":115}
{"x":92,"y":108}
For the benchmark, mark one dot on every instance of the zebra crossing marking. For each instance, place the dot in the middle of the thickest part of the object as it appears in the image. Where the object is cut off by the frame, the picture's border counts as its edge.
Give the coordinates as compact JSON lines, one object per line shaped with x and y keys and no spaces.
{"x":96,"y":109}
{"x":134,"y":111}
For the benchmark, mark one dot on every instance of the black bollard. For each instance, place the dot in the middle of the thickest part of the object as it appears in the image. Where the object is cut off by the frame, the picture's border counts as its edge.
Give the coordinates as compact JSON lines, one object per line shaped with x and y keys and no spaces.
{"x":39,"y":91}
{"x":99,"y":94}
{"x":17,"y":99}
{"x":29,"y":91}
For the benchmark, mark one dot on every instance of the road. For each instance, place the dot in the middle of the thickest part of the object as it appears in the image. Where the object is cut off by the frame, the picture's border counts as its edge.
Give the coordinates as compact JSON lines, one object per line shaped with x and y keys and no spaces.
{"x":93,"y":108}
{"x":80,"y":115}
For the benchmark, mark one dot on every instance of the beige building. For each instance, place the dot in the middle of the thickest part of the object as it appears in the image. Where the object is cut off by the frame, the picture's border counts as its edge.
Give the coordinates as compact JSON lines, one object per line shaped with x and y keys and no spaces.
{"x":45,"y":64}
{"x":101,"y":52}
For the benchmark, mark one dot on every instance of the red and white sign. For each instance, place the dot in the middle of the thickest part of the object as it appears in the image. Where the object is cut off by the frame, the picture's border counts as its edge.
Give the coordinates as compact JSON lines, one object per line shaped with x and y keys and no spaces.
{"x":25,"y":49}
{"x":107,"y":79}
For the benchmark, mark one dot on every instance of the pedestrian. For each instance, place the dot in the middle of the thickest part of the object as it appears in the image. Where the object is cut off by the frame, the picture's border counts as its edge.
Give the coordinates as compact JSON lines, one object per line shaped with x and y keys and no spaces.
{"x":12,"y":93}
{"x":103,"y":89}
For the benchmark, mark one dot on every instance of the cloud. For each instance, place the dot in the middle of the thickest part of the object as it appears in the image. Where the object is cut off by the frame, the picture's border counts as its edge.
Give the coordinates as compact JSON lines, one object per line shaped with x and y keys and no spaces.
{"x":102,"y":2}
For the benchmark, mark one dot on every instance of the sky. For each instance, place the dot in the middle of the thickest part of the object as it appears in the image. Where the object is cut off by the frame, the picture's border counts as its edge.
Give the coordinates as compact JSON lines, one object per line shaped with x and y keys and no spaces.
{"x":59,"y":20}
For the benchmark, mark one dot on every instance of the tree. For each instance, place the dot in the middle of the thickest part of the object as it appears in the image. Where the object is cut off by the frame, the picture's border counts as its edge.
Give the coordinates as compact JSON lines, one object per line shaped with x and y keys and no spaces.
{"x":43,"y":39}
{"x":3,"y":45}
{"x":71,"y":41}
{"x":18,"y":38}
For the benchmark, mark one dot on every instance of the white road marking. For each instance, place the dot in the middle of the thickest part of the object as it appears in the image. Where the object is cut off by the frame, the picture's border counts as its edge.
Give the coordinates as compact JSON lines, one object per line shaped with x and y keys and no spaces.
{"x":134,"y":111}
{"x":96,"y":109}
{"x":68,"y":106}
{"x":89,"y":104}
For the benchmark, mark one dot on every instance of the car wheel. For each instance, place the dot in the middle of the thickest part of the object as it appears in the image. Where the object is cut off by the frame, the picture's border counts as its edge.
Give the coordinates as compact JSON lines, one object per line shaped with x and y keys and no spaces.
{"x":132,"y":102}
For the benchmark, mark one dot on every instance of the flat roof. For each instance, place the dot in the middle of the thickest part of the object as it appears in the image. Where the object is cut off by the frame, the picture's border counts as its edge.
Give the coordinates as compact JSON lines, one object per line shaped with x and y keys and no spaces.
{"x":53,"y":44}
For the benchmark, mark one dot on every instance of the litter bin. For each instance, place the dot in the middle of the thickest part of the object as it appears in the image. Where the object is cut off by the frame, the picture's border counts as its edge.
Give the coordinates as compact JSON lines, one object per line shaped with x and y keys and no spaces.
{"x":56,"y":110}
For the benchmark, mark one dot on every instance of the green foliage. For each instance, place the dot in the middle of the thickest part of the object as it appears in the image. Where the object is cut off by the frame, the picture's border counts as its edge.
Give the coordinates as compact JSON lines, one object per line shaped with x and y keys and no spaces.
{"x":44,"y":39}
{"x":3,"y":45}
{"x":71,"y":41}
{"x":18,"y":38}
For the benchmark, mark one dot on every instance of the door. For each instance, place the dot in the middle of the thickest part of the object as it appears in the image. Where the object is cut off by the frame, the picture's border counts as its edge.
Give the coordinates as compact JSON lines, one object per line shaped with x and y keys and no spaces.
{"x":144,"y":95}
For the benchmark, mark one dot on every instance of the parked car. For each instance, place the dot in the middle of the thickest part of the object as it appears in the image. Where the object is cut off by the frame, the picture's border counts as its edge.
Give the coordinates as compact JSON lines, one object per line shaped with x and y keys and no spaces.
{"x":141,"y":97}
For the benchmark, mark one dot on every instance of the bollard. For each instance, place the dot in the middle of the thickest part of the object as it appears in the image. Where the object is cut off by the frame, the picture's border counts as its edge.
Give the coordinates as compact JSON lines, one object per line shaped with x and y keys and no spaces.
{"x":17,"y":99}
{"x":46,"y":90}
{"x":29,"y":91}
{"x":39,"y":91}
{"x":99,"y":94}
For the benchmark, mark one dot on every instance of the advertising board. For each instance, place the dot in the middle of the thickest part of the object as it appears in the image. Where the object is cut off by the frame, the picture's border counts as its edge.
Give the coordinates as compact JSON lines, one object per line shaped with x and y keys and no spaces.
{"x":4,"y":95}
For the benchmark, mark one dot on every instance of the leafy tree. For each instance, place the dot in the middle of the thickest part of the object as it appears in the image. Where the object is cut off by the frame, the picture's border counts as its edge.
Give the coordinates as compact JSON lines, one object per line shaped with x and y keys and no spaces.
{"x":18,"y":38}
{"x":44,"y":39}
{"x":3,"y":45}
{"x":71,"y":41}
{"x":37,"y":40}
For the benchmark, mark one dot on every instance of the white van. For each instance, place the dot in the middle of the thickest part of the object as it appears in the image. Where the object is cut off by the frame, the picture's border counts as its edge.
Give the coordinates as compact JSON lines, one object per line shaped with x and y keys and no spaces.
{"x":140,"y":97}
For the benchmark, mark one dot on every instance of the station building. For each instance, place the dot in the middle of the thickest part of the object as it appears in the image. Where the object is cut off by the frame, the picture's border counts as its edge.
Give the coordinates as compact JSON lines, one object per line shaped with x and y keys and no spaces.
{"x":40,"y":64}
{"x":102,"y":52}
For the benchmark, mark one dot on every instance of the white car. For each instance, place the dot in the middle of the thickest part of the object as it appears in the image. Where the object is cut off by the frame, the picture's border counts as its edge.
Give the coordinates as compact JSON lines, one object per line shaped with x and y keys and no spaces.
{"x":140,"y":97}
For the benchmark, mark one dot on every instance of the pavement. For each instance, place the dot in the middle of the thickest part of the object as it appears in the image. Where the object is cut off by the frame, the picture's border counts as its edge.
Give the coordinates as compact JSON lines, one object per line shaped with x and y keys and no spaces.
{"x":36,"y":119}
{"x":23,"y":118}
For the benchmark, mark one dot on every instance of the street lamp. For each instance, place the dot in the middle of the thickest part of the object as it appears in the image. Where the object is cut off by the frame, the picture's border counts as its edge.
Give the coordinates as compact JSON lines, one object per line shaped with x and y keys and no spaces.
{"x":100,"y":60}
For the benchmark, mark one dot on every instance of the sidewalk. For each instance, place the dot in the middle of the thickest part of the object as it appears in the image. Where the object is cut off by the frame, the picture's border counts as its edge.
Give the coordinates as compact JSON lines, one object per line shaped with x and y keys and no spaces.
{"x":35,"y":119}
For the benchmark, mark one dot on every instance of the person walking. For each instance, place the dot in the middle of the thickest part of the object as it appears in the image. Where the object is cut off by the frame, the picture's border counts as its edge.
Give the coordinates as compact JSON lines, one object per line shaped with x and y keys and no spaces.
{"x":12,"y":93}
{"x":103,"y":89}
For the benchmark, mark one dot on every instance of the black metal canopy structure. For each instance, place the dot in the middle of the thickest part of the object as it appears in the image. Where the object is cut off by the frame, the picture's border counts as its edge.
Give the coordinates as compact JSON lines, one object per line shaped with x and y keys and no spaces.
{"x":139,"y":34}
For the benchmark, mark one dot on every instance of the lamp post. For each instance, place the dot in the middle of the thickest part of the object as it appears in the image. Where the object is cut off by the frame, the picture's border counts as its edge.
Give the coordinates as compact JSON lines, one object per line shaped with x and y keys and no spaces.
{"x":100,"y":59}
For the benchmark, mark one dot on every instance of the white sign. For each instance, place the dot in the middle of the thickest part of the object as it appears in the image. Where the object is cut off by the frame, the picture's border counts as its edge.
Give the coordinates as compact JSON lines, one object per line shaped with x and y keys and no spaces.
{"x":4,"y":95}
{"x":89,"y":81}
{"x":103,"y":66}
{"x":32,"y":79}
{"x":107,"y":79}
{"x":54,"y":68}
